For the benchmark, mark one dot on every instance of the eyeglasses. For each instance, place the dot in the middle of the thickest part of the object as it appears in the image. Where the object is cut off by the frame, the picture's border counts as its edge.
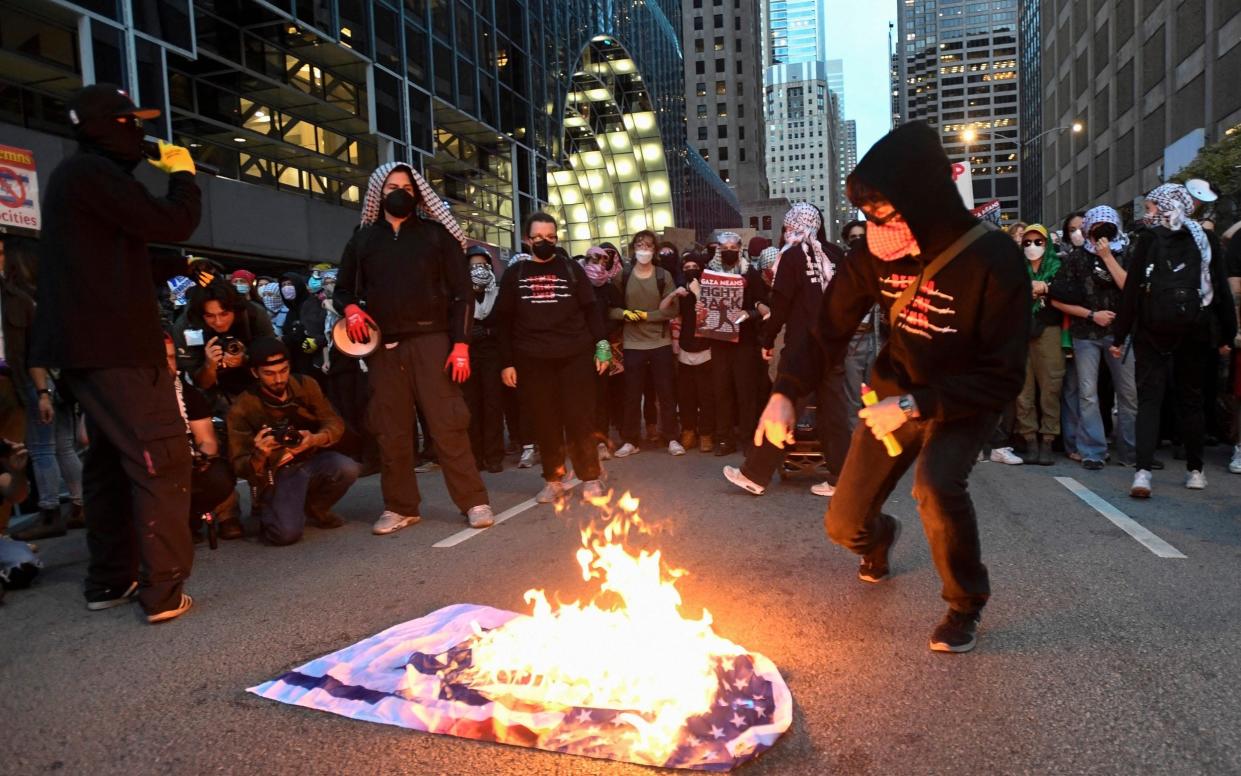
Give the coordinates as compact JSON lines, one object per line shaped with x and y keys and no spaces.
{"x":1027,"y":243}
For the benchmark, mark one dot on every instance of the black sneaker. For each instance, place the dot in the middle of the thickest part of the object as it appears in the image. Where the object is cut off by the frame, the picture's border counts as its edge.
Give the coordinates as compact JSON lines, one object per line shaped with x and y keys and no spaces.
{"x":106,"y":599}
{"x":1092,"y":465}
{"x":957,"y":632}
{"x":874,"y":565}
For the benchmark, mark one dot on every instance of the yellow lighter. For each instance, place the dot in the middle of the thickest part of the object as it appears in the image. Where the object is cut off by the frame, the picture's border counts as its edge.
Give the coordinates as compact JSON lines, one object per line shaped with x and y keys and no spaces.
{"x":870,"y":398}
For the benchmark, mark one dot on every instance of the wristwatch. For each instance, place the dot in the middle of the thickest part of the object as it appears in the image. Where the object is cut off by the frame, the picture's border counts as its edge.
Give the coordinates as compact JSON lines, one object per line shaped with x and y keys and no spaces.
{"x":44,"y":391}
{"x":907,"y":405}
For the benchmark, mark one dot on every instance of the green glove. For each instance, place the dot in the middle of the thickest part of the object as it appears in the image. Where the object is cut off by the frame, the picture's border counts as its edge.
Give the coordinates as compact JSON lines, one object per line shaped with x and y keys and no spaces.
{"x":603,"y":351}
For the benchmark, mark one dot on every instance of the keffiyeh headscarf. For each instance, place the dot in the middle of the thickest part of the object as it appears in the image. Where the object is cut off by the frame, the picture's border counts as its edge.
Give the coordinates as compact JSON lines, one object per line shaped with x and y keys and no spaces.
{"x":767,"y":262}
{"x":1104,"y":215}
{"x":1174,"y":204}
{"x":598,"y":274}
{"x":429,"y":204}
{"x":717,"y":265}
{"x":801,"y":225}
{"x":517,"y":258}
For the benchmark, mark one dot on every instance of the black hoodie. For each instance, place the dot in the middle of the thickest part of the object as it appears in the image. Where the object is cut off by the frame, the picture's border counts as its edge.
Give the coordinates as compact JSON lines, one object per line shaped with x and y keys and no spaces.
{"x":961,"y":346}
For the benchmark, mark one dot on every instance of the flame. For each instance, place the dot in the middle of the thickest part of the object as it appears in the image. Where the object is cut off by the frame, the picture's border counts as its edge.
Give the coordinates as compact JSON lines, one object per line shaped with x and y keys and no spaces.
{"x":629,"y":649}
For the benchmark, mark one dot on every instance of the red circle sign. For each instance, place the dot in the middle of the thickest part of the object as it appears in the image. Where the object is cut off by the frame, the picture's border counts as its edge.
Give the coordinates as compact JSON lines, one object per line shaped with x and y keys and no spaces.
{"x":12,"y":188}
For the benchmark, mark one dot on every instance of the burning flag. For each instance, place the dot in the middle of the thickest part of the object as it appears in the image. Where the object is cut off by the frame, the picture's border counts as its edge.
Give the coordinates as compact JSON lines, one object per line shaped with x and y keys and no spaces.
{"x":624,"y":677}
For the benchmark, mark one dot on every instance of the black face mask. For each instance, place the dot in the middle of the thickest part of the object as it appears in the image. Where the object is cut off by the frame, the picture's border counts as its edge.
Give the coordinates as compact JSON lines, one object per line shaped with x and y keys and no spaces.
{"x":542,"y":249}
{"x":692,"y":274}
{"x":1103,"y":231}
{"x":666,"y":257}
{"x":399,"y":203}
{"x":730,"y":257}
{"x":856,"y":239}
{"x":121,"y":140}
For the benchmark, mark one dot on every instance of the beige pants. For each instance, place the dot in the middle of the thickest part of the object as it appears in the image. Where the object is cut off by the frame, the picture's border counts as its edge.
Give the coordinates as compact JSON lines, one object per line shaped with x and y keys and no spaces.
{"x":1045,"y":368}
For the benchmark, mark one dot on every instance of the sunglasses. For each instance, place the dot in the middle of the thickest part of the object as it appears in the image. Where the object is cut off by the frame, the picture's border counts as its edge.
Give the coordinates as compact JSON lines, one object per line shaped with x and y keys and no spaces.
{"x":1028,"y":243}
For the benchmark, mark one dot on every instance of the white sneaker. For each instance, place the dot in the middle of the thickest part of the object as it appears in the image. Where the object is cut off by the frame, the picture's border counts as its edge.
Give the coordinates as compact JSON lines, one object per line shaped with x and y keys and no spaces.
{"x":1235,"y":465}
{"x":1141,"y":484}
{"x":1006,"y":455}
{"x":391,"y":522}
{"x":734,"y":475}
{"x":628,"y":449}
{"x":675,"y":448}
{"x":527,"y":457}
{"x":481,"y":516}
{"x":1196,"y":480}
{"x":550,"y":492}
{"x":592,"y":490}
{"x":604,"y":453}
{"x":824,"y":489}
{"x":426,"y":467}
{"x":171,"y":614}
{"x":982,"y":457}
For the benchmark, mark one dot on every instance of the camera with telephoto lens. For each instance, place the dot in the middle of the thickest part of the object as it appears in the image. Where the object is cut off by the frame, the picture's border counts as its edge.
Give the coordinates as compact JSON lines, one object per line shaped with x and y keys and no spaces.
{"x":285,"y":434}
{"x":232,"y":346}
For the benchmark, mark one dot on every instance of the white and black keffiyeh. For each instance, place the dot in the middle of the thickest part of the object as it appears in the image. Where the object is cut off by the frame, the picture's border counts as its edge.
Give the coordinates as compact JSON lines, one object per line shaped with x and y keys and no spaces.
{"x":1175,"y":203}
{"x":1104,"y":214}
{"x":716,"y":265}
{"x":802,"y":224}
{"x":429,"y":203}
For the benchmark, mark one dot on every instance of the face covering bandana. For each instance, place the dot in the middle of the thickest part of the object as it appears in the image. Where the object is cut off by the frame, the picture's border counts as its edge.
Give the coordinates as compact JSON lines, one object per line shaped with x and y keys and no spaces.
{"x":288,"y":292}
{"x":891,"y":241}
{"x":542,"y":249}
{"x":691,"y":274}
{"x":1034,"y":252}
{"x":399,"y":203}
{"x":242,"y":288}
{"x":729,"y":257}
{"x":1077,"y":238}
{"x":667,"y":257}
{"x":481,"y":276}
{"x":644,"y":256}
{"x":801,"y":227}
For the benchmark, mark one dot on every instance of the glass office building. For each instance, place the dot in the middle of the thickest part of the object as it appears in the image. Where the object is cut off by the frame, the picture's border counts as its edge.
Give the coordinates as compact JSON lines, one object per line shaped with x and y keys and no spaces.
{"x":507,"y":106}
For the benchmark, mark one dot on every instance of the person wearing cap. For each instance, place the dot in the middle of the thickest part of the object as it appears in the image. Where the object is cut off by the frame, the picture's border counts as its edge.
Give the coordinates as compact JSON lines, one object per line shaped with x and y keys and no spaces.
{"x":406,"y":264}
{"x":243,"y":281}
{"x":298,"y":480}
{"x":98,"y":322}
{"x":1045,"y":369}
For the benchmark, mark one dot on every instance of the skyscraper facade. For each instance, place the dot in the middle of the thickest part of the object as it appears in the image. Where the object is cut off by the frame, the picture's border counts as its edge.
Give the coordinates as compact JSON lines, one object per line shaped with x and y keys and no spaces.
{"x":507,"y":106}
{"x":1151,"y":83}
{"x":801,"y":150}
{"x":724,"y":97}
{"x":1030,"y":69}
{"x":957,"y":61}
{"x":797,"y":31}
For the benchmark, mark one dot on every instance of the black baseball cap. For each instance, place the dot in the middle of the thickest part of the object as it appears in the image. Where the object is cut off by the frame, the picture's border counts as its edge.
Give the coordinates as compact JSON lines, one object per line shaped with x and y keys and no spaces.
{"x":105,"y":101}
{"x":267,"y":351}
{"x":477,"y":250}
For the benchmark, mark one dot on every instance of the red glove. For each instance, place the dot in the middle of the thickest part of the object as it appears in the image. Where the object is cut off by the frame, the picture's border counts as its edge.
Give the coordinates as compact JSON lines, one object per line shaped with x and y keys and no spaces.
{"x":459,"y":362}
{"x":358,"y":324}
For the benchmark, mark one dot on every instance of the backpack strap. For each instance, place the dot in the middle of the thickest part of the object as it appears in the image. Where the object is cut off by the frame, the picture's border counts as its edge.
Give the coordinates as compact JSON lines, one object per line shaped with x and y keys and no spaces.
{"x":932,"y":269}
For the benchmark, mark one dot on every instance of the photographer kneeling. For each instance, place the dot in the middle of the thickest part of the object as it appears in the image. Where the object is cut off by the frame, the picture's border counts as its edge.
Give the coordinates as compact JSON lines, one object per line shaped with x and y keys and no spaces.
{"x":277,"y":431}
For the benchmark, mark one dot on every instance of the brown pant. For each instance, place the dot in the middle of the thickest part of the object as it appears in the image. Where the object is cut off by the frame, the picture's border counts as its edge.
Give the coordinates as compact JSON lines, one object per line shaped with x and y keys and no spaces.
{"x":1046,"y":369}
{"x":12,"y":428}
{"x":402,"y":379}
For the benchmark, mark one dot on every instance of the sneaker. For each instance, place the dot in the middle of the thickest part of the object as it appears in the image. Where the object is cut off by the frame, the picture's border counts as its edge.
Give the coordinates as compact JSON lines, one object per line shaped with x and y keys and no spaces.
{"x":705,"y":443}
{"x":734,"y":475}
{"x":675,"y":448}
{"x":1075,"y":456}
{"x":957,"y":632}
{"x":874,"y":565}
{"x":481,"y":516}
{"x":604,"y":453}
{"x":172,"y":614}
{"x":627,"y":450}
{"x":527,"y":457}
{"x":426,"y":467}
{"x":1196,"y":480}
{"x":391,"y":522}
{"x":1141,"y":487}
{"x":1092,"y":465}
{"x":551,"y":492}
{"x":1235,"y":465}
{"x":824,"y":489}
{"x":725,"y":447}
{"x":1006,"y":455}
{"x":592,"y":490}
{"x":982,"y":457}
{"x":106,"y":599}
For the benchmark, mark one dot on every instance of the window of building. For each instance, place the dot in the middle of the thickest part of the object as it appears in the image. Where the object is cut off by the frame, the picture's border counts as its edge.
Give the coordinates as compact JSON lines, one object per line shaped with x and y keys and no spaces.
{"x":719,"y":66}
{"x":697,"y":22}
{"x":702,"y":132}
{"x":700,"y":67}
{"x":702,"y":89}
{"x":721,"y":131}
{"x":698,"y":45}
{"x":721,"y":109}
{"x":723,"y":157}
{"x":721,"y":88}
{"x":718,"y":20}
{"x":719,"y":42}
{"x":702,"y":111}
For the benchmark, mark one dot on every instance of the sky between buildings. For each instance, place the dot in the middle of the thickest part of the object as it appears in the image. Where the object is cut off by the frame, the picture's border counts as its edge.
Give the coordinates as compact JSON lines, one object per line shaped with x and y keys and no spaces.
{"x":857,"y":32}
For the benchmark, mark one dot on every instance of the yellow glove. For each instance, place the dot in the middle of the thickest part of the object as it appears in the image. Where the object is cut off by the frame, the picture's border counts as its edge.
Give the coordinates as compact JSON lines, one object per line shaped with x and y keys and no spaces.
{"x":173,"y":158}
{"x":634,"y":316}
{"x":309,"y":345}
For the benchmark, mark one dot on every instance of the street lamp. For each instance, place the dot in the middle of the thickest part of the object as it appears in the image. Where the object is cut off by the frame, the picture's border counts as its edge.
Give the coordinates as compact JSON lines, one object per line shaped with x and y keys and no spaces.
{"x":970,"y":134}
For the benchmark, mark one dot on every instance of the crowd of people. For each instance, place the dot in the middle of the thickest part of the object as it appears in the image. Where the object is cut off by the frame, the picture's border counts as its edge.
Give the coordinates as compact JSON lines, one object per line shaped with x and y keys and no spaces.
{"x":212,"y":384}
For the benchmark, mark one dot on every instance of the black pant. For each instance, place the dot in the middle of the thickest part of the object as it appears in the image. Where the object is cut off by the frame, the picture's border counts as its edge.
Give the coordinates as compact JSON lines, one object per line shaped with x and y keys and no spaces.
{"x":558,"y":394}
{"x":135,"y":484}
{"x":484,"y":394}
{"x":347,"y":391}
{"x":609,"y":405}
{"x":943,"y":453}
{"x":696,"y":389}
{"x":735,"y":373}
{"x":406,"y":377}
{"x":832,"y":410}
{"x":1187,"y":359}
{"x":210,"y":486}
{"x":660,"y":364}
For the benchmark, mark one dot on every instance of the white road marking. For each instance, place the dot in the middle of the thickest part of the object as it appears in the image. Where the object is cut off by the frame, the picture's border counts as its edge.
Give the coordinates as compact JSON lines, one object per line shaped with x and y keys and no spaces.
{"x":470,"y":533}
{"x":1122,"y":521}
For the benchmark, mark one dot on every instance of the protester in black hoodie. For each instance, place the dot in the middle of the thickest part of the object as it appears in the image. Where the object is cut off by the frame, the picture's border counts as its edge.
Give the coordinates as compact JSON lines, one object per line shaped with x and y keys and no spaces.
{"x":695,"y":383}
{"x":98,"y":322}
{"x":956,"y":355}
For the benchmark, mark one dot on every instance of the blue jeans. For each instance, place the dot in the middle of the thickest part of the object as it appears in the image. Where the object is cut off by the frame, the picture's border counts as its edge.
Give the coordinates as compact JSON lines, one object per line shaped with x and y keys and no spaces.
{"x":1091,"y":441}
{"x":1070,"y":412}
{"x":53,"y":453}
{"x":302,"y":489}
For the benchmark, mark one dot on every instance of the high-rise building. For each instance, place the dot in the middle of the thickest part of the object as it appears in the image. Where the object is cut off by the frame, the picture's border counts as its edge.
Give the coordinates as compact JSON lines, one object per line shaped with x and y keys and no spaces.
{"x":797,"y":31}
{"x":801,"y":148}
{"x":723,"y":92}
{"x":958,"y":72}
{"x":507,"y":106}
{"x":1150,"y":85}
{"x":1031,"y":88}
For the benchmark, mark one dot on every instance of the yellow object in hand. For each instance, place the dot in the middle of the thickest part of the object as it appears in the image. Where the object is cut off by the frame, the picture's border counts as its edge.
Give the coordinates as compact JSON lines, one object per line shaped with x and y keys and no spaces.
{"x":870,"y":398}
{"x":174,"y":158}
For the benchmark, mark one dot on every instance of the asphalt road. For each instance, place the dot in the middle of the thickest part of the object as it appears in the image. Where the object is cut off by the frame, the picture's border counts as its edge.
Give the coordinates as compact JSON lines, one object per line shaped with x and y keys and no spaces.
{"x":1095,"y":656}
